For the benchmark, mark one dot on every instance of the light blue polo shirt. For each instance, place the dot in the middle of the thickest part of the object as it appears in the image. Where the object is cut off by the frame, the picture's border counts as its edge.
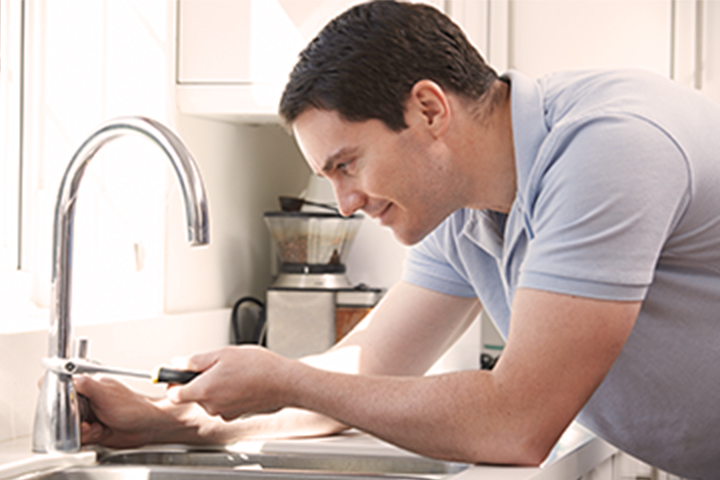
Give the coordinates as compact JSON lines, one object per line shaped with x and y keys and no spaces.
{"x":618,"y":198}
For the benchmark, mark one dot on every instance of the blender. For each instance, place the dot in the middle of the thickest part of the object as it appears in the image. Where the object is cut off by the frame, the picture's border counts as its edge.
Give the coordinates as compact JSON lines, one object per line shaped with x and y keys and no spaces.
{"x":311,"y":303}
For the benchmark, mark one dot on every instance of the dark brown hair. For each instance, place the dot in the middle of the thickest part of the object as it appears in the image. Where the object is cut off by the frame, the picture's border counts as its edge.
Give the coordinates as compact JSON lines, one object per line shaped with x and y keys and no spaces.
{"x":364,"y":63}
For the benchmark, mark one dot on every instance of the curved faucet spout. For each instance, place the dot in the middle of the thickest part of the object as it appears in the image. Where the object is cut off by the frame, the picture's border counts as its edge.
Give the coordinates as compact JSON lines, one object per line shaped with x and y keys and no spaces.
{"x":57,"y":418}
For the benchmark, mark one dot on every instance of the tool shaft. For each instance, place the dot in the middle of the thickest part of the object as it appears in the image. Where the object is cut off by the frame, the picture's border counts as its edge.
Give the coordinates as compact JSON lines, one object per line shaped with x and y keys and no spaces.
{"x":75,"y":366}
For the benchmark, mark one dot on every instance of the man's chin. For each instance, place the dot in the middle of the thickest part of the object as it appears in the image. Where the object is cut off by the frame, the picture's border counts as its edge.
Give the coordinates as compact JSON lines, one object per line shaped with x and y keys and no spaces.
{"x":409,"y":233}
{"x":408,"y":238}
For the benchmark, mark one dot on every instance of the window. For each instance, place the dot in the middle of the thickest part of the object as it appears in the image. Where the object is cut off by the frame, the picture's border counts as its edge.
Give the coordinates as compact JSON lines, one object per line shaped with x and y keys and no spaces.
{"x":9,"y":137}
{"x":14,"y":284}
{"x":85,"y":62}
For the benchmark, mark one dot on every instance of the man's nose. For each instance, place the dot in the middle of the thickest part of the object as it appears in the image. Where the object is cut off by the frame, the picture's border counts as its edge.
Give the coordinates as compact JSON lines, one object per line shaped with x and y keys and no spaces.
{"x":349,"y":200}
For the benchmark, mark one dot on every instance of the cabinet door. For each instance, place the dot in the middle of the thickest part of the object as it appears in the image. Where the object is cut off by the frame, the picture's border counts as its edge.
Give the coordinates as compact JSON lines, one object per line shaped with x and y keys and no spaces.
{"x":710,"y":49}
{"x":243,"y":41}
{"x":234,"y":56}
{"x":550,"y":35}
{"x":214,"y":38}
{"x":248,"y":41}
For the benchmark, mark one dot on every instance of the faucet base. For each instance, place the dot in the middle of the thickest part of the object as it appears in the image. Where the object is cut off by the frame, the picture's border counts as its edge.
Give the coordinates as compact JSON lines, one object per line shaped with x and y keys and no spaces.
{"x":57,"y":416}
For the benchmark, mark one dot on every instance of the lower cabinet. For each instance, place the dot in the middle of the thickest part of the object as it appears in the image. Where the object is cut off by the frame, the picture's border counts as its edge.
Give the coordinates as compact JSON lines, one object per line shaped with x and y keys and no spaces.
{"x":624,"y":467}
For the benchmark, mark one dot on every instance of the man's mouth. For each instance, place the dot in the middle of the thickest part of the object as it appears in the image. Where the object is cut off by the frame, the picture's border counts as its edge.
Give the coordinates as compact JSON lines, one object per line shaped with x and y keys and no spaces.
{"x":381,"y":215}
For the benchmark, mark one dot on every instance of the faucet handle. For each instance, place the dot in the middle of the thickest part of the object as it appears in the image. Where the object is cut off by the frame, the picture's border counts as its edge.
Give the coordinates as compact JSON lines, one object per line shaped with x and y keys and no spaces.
{"x":82,"y":347}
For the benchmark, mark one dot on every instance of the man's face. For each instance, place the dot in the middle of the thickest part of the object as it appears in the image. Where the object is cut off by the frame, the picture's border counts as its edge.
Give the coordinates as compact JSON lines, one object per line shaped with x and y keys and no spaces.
{"x":399,"y":178}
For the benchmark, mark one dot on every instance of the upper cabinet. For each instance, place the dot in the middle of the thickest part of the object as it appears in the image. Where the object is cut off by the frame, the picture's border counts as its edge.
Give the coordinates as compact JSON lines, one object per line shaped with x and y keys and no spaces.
{"x":675,"y":38}
{"x":708,"y":51}
{"x":234,"y":56}
{"x":551,"y":35}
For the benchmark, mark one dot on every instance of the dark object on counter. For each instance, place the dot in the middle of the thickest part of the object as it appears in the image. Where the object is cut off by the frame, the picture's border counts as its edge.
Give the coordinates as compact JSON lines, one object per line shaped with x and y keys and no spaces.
{"x":487,"y":362}
{"x":293,"y":204}
{"x":248,"y":321}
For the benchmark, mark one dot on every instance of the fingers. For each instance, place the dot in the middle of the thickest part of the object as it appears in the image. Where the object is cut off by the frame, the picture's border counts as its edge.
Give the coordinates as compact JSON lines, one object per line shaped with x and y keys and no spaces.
{"x":124,"y":417}
{"x":235,"y":381}
{"x":196,"y":363}
{"x":181,"y":394}
{"x":92,"y":433}
{"x":192,"y":392}
{"x":96,"y":388}
{"x":202,"y":361}
{"x":85,"y":385}
{"x":91,"y":430}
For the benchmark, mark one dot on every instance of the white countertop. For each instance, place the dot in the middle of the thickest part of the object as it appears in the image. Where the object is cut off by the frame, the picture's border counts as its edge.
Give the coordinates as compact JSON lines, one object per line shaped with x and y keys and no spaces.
{"x":16,"y":458}
{"x":576,"y":453}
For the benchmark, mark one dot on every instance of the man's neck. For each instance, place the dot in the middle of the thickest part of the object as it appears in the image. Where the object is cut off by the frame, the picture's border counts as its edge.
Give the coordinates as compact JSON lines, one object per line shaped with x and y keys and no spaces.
{"x":485,"y":152}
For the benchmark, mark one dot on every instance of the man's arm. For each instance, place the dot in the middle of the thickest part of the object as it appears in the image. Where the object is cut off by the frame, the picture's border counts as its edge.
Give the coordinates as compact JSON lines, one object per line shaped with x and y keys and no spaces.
{"x":559,"y":349}
{"x":404,"y":335}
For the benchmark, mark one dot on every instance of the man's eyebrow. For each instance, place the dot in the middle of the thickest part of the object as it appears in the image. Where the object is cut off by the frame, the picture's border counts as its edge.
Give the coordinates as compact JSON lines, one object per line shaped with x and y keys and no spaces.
{"x":335,"y":157}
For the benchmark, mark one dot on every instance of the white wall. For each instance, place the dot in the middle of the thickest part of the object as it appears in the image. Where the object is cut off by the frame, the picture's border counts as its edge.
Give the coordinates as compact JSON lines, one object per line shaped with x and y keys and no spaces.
{"x":245,"y":168}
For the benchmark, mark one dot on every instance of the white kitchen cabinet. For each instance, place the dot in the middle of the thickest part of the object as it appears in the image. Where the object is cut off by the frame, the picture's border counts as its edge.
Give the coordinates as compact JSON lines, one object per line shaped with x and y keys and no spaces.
{"x":542,"y":36}
{"x":234,"y":56}
{"x":622,"y":466}
{"x":709,"y":52}
{"x":675,"y":38}
{"x":551,"y":35}
{"x":697,"y":46}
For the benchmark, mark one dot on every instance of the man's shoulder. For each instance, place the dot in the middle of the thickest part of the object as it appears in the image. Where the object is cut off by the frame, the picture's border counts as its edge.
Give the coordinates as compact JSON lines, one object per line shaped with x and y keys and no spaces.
{"x":573,"y":94}
{"x":568,"y":80}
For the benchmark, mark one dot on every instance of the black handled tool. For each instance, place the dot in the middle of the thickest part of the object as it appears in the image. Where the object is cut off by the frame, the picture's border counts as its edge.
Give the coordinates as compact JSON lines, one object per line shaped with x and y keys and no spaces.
{"x":72,"y":366}
{"x":172,"y":375}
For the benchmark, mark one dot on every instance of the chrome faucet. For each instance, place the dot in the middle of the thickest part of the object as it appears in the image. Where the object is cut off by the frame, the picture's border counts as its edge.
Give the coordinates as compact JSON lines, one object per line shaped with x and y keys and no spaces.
{"x":57,"y":417}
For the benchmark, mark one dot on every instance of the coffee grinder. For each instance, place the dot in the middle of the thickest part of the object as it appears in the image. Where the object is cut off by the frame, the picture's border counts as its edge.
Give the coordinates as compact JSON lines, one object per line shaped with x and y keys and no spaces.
{"x":311,"y":303}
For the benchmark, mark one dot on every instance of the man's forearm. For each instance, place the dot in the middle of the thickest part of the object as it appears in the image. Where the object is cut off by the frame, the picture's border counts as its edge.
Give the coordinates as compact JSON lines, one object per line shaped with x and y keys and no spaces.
{"x":455,"y":416}
{"x":559,"y":350}
{"x":191,"y":424}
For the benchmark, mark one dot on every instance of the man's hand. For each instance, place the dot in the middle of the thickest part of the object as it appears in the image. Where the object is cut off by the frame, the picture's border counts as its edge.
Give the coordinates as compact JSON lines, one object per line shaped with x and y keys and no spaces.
{"x":236,"y":381}
{"x":124,"y":417}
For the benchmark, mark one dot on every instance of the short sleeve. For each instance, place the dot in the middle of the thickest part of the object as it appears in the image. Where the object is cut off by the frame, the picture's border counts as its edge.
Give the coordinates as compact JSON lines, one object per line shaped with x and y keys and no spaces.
{"x":604,"y":208}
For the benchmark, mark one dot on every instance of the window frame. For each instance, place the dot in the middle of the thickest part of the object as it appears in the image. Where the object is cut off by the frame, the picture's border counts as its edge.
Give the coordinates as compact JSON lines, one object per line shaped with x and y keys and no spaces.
{"x":11,"y":83}
{"x":25,"y":262}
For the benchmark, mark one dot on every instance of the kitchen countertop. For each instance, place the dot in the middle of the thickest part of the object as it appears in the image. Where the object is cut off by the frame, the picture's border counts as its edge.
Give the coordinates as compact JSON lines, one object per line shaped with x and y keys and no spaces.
{"x":16,"y":458}
{"x":577,"y":452}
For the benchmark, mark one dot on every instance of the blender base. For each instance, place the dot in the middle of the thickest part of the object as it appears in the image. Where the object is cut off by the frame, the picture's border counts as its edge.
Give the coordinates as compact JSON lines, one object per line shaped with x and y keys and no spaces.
{"x":312,"y":280}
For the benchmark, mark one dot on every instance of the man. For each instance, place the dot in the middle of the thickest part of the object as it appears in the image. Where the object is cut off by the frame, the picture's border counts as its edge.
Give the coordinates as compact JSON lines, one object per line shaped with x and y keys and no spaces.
{"x":581,"y":210}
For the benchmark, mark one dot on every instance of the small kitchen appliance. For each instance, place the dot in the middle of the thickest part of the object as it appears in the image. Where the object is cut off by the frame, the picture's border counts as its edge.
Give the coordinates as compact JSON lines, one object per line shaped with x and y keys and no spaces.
{"x":312,"y":304}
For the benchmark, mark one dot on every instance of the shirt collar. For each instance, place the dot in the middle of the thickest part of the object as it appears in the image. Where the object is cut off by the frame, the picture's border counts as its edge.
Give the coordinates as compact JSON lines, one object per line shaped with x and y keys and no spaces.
{"x":484,"y":230}
{"x":528,"y":124}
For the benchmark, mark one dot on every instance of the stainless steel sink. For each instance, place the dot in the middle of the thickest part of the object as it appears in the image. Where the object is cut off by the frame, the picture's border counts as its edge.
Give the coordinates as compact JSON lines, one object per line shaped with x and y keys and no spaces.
{"x":336,"y":462}
{"x":214,"y":464}
{"x":134,"y":472}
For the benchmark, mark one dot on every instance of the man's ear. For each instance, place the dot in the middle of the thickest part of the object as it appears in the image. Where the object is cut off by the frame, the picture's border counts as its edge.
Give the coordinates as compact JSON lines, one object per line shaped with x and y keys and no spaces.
{"x":430,"y":102}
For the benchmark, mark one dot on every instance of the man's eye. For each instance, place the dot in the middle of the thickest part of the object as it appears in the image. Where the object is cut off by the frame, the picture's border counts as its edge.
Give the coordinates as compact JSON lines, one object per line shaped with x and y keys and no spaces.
{"x":344,"y":166}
